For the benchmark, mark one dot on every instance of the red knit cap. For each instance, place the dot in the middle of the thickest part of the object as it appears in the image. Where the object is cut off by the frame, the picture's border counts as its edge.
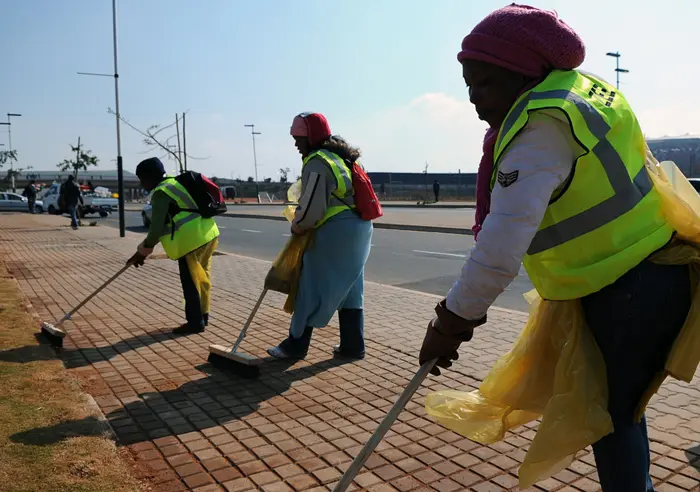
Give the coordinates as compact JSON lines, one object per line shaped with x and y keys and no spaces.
{"x":314,"y":126}
{"x":524,"y":39}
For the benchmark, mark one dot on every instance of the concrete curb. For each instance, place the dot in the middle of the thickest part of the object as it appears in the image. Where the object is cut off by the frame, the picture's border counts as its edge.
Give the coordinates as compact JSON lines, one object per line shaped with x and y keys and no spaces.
{"x":377,"y":225}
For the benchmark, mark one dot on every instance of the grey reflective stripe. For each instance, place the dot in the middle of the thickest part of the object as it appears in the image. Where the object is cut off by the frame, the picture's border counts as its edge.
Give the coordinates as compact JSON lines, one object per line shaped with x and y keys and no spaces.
{"x":628,"y":193}
{"x":342,"y":169}
{"x":185,"y":197}
{"x":187,"y":218}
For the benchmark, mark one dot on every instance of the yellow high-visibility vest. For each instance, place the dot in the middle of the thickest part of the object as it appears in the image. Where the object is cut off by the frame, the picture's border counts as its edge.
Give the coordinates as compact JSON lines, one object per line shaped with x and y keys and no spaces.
{"x":187,"y":231}
{"x":343,"y":179}
{"x":608,"y":218}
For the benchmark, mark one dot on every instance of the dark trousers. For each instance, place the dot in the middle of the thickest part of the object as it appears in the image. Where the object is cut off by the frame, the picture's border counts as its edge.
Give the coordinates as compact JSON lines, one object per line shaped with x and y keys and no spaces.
{"x":193,"y":303}
{"x":30,"y":204}
{"x":635,"y":322}
{"x":73,"y":212}
{"x":352,"y":332}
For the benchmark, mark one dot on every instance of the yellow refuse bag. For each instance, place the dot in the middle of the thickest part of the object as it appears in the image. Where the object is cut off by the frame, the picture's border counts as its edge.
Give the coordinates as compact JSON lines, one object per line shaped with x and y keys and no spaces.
{"x":555,"y":371}
{"x":286,"y":269}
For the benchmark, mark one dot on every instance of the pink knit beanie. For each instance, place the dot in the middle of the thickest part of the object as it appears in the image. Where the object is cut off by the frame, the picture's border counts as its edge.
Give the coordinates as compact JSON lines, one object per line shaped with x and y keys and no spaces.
{"x":524,"y":39}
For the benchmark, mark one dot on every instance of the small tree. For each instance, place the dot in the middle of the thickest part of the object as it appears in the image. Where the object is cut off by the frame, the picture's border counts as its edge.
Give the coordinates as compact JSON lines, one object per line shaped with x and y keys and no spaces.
{"x":7,"y":156}
{"x":284,"y":174}
{"x":267,"y":180}
{"x":82,"y":161}
{"x":13,"y":173}
{"x":251,"y":179}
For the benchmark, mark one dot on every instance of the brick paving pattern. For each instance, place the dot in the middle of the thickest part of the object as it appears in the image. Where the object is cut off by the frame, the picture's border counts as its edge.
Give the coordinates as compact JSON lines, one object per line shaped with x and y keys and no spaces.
{"x":192,"y":427}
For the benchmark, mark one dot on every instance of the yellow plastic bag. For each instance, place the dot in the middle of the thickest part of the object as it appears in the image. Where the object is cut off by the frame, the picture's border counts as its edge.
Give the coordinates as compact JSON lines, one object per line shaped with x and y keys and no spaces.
{"x":199,"y":263}
{"x":286,"y":269}
{"x":555,"y":370}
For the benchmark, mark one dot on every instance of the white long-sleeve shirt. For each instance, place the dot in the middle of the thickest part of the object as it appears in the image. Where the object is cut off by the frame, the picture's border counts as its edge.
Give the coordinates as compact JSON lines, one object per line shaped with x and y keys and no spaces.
{"x":543,"y":155}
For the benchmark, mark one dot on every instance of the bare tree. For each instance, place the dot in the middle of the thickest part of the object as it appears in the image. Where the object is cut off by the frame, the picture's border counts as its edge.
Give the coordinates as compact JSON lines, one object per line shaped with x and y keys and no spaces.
{"x":155,"y":137}
{"x":7,"y":156}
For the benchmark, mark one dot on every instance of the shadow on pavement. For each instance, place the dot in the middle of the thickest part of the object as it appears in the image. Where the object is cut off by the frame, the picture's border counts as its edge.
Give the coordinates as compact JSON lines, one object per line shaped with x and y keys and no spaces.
{"x":693,"y":455}
{"x":218,"y":399}
{"x":81,"y":357}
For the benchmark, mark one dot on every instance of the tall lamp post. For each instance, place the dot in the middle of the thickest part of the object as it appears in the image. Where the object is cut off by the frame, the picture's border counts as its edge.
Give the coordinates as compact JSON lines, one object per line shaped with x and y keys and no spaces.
{"x":9,"y":138}
{"x":120,"y":164}
{"x":255,"y":159}
{"x":618,"y":70}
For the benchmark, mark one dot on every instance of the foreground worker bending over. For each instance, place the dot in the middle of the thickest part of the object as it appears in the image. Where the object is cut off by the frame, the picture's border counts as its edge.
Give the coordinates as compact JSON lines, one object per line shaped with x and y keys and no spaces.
{"x":562,"y":187}
{"x":185,"y":237}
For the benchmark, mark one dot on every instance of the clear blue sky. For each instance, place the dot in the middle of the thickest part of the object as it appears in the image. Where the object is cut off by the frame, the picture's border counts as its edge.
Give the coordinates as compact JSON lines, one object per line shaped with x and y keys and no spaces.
{"x":383,"y":71}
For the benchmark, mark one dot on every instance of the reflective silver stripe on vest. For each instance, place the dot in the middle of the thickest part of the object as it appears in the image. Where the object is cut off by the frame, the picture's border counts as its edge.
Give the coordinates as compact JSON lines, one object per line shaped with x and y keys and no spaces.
{"x":627,"y":193}
{"x":185,"y":197}
{"x":340,"y":164}
{"x":188,"y":218}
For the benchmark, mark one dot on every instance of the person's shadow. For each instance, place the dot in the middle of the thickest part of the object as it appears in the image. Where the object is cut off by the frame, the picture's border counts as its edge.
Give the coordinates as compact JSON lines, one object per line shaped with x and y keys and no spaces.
{"x":80,"y":357}
{"x":218,"y":399}
{"x":693,"y":455}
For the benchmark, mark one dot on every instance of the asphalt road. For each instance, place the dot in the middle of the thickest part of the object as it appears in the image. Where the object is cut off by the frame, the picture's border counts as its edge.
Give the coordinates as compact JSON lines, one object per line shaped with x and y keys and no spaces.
{"x":426,"y":262}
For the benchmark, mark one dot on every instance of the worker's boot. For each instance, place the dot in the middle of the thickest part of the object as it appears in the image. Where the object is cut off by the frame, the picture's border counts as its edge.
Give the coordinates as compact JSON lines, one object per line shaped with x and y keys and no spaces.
{"x":189,"y":328}
{"x":293,"y":348}
{"x":352,"y":339}
{"x":205,"y":317}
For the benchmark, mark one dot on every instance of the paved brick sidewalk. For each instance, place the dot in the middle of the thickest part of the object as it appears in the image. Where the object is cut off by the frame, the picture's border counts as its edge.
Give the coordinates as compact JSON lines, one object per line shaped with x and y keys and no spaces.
{"x":191,"y":427}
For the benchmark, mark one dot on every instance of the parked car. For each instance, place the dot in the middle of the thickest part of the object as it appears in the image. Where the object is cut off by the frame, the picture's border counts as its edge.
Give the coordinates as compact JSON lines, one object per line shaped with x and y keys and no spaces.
{"x":14,"y":202}
{"x":91,"y":204}
{"x":146,"y":214}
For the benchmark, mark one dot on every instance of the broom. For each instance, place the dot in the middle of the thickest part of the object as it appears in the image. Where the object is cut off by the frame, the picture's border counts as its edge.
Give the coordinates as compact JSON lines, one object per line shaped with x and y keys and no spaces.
{"x":229,"y":359}
{"x":53,"y":333}
{"x":384,"y":426}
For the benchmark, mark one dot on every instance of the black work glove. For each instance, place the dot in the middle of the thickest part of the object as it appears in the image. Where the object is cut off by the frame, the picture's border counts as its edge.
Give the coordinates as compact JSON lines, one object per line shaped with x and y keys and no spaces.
{"x":136,"y":260}
{"x":445,"y":334}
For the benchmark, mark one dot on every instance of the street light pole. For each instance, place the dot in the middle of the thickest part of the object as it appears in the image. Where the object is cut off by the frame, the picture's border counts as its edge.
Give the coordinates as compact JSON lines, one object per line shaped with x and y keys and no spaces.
{"x":120,"y":164}
{"x":618,"y":70}
{"x":255,"y":159}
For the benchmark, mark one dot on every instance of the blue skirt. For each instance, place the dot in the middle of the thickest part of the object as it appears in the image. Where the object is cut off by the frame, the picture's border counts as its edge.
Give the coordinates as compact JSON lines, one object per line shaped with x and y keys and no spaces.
{"x":332,"y":272}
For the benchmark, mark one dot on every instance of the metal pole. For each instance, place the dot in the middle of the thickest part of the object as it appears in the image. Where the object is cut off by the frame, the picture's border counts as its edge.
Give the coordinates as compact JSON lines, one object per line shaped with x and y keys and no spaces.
{"x":179,"y":149}
{"x":12,"y":167}
{"x":255,"y":163}
{"x":617,"y":72}
{"x":120,"y":164}
{"x":255,"y":159}
{"x":184,"y":141}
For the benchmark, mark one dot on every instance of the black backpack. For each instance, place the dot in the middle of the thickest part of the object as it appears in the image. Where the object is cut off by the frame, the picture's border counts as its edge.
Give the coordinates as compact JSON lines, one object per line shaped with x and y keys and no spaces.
{"x":205,"y":193}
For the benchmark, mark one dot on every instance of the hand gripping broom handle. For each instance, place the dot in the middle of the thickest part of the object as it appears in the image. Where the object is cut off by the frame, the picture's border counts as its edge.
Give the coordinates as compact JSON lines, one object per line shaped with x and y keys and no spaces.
{"x":384,"y":426}
{"x":88,"y":298}
{"x":249,"y":321}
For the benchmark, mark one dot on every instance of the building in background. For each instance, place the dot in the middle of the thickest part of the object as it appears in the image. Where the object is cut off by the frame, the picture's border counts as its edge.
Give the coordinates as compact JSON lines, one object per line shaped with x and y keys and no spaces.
{"x":683,"y":150}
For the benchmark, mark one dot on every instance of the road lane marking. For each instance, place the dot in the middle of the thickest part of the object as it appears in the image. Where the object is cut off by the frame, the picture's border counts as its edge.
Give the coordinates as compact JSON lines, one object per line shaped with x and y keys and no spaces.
{"x":287,"y":235}
{"x":452,"y":255}
{"x":251,"y":230}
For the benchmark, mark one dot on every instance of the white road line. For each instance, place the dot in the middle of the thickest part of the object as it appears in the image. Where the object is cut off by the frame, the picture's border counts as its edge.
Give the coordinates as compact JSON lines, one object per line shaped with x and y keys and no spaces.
{"x":287,"y":235}
{"x":251,"y":230}
{"x":453,"y":255}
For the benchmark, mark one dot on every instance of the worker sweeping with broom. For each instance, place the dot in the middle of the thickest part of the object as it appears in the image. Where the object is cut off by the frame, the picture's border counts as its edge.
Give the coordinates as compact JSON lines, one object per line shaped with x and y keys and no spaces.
{"x":332,"y":272}
{"x":566,"y":186}
{"x":186,"y":235}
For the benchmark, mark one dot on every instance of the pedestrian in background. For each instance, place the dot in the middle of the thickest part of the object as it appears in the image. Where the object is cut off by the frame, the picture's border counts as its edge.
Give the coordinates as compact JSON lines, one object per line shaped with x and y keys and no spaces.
{"x":436,"y":190}
{"x":69,"y":198}
{"x":585,"y":235}
{"x":332,"y":273}
{"x":30,"y":193}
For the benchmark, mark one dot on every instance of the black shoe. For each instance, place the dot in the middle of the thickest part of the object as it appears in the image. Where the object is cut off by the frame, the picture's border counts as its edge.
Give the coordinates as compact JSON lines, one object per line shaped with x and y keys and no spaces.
{"x":205,"y":317}
{"x":188,"y":329}
{"x":339,"y":352}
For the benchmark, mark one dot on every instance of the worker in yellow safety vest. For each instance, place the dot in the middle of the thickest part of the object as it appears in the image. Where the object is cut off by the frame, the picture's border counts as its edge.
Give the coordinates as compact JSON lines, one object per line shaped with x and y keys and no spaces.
{"x":185,"y":236}
{"x":562,"y":187}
